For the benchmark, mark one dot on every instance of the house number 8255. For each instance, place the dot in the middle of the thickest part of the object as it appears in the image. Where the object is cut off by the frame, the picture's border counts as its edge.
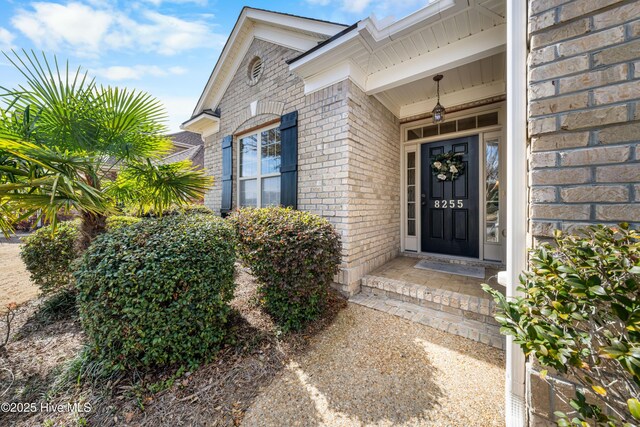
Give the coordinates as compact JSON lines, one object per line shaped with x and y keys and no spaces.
{"x":448,"y":204}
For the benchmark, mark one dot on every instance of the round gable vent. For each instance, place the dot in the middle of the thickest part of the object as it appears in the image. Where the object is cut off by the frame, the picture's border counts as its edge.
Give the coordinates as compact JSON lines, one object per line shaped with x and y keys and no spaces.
{"x":256,"y":67}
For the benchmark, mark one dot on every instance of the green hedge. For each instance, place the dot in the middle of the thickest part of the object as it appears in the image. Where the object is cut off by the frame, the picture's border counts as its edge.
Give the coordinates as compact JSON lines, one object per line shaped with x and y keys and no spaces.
{"x":117,"y":221}
{"x":293,"y":255}
{"x":157,"y":292}
{"x":48,"y":254}
{"x":192,"y":209}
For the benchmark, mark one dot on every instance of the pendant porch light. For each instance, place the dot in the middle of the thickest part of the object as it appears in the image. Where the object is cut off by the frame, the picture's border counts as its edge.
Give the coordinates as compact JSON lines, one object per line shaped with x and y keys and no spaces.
{"x":438,"y":111}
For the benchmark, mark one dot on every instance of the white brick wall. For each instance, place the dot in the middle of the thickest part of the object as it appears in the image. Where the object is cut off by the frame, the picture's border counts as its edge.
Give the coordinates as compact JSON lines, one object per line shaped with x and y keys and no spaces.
{"x":348,"y":156}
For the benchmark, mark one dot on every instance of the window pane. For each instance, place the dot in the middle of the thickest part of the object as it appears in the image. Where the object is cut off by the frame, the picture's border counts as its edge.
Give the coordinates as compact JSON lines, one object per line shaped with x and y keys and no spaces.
{"x":270,"y":151}
{"x":492,"y":191}
{"x":492,"y":171}
{"x":411,"y":177}
{"x":248,"y":193}
{"x":447,"y":127}
{"x":414,"y":134}
{"x":249,"y":156}
{"x":429,"y":131}
{"x":271,"y":191}
{"x":488,"y":119}
{"x":468,"y":123}
{"x":411,"y":160}
{"x":411,"y":227}
{"x":492,"y":232}
{"x":411,"y":210}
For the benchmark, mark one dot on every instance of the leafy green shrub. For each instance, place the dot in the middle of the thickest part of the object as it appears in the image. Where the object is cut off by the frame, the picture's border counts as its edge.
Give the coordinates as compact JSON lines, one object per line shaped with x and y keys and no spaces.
{"x":48,"y":254}
{"x":193,"y":209}
{"x":117,"y":221}
{"x":188,"y":210}
{"x":293,"y":255}
{"x":157,"y":292}
{"x":580,"y":315}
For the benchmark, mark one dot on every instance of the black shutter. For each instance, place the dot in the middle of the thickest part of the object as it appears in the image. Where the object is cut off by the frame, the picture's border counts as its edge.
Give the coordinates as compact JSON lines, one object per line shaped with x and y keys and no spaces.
{"x":289,"y":162}
{"x":227,"y":174}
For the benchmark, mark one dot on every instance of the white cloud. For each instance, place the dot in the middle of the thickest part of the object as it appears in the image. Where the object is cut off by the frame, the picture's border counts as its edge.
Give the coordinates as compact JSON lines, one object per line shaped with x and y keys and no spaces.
{"x":355,"y":6}
{"x":50,"y":25}
{"x":91,"y":30}
{"x":159,"y":2}
{"x":179,"y":109}
{"x":137,"y":72}
{"x":6,"y":39}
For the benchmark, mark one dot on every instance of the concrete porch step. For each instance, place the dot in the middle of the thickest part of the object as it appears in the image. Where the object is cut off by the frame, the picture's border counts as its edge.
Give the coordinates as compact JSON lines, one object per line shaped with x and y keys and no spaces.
{"x":452,"y":323}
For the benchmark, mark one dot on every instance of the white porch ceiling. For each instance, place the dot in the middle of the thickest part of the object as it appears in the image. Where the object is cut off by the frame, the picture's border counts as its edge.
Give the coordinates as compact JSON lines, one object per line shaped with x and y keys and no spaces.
{"x":463,"y":39}
{"x":481,"y":16}
{"x":470,"y":82}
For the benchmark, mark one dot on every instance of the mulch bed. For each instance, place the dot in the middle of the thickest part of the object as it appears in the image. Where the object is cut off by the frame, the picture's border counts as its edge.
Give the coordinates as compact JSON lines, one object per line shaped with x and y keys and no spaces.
{"x":216,"y":394}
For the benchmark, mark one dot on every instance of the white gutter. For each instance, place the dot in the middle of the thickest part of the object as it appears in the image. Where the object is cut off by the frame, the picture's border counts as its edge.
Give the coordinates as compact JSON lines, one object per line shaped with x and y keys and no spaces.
{"x":517,"y":197}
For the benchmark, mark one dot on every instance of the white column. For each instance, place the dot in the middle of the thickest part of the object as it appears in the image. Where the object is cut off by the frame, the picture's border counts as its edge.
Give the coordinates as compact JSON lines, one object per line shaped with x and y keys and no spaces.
{"x":517,"y":200}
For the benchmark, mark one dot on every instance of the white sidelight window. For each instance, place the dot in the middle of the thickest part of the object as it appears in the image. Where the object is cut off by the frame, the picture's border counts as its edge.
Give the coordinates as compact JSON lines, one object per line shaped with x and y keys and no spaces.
{"x":259,"y":159}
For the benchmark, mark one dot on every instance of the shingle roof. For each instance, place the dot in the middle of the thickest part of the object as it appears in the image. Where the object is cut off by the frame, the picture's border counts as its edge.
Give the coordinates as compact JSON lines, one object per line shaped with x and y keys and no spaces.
{"x":188,"y":154}
{"x":186,"y":138}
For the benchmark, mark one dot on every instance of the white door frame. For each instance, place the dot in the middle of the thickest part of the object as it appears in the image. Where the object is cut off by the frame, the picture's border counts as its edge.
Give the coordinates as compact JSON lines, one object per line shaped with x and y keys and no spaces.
{"x":413,"y":243}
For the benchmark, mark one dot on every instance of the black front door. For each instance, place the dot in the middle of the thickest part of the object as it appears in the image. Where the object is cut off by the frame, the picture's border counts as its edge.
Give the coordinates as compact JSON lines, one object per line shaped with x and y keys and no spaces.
{"x":450,"y":209}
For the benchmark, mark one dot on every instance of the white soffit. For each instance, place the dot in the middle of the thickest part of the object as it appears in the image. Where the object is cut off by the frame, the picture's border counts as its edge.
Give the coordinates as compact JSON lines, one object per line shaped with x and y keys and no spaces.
{"x":471,"y":82}
{"x":203,"y":124}
{"x":444,"y":35}
{"x":294,"y":32}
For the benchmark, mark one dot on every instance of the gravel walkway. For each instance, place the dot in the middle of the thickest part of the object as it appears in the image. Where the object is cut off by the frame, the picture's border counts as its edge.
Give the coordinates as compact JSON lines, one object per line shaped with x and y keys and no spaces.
{"x":15,"y":285}
{"x":374,"y":369}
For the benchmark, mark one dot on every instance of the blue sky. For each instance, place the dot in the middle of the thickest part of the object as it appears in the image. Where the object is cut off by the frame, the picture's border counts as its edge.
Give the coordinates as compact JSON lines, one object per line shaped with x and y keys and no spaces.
{"x":165,"y":47}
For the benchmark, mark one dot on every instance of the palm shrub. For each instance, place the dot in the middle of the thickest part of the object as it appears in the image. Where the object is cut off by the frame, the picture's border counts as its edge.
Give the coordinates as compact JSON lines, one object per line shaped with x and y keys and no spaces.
{"x":293,"y":255}
{"x":48,"y":255}
{"x":63,"y":138}
{"x":157,"y":292}
{"x":580,"y":315}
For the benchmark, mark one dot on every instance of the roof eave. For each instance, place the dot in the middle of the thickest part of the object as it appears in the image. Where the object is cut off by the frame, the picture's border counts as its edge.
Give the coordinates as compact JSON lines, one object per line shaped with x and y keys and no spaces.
{"x":321,"y":27}
{"x":204,"y":124}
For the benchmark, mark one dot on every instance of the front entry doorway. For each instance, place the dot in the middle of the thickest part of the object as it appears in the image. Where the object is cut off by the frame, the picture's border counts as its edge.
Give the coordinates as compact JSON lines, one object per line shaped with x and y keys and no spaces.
{"x":450,"y":209}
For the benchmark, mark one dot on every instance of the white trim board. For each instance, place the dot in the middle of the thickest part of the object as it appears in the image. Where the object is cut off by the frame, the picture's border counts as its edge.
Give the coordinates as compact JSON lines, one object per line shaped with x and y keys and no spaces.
{"x":517,"y":198}
{"x":294,"y":32}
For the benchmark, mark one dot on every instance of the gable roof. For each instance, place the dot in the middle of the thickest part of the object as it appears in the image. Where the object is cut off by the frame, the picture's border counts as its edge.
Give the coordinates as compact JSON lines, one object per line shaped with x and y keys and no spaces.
{"x":292,"y":31}
{"x":188,"y":154}
{"x":185,"y":139}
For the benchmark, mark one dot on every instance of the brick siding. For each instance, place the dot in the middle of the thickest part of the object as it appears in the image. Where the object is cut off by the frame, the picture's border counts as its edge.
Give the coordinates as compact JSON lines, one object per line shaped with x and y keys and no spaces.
{"x":583,"y":112}
{"x":584,"y":67}
{"x":348,"y":156}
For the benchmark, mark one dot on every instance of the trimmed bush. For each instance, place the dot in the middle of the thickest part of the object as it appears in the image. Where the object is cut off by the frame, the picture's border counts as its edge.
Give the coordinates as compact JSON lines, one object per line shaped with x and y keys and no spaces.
{"x":157,"y":292}
{"x":580,"y":315}
{"x":48,"y":254}
{"x":188,"y":210}
{"x":293,"y":256}
{"x":117,"y":221}
{"x":192,"y":209}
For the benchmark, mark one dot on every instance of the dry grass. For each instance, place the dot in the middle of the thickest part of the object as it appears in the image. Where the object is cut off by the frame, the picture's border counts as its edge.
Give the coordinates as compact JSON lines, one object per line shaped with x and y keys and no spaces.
{"x":216,"y":394}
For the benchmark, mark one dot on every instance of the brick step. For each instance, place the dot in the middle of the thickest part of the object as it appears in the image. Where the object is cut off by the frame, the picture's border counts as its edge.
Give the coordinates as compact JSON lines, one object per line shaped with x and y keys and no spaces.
{"x":471,"y":307}
{"x":448,"y":322}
